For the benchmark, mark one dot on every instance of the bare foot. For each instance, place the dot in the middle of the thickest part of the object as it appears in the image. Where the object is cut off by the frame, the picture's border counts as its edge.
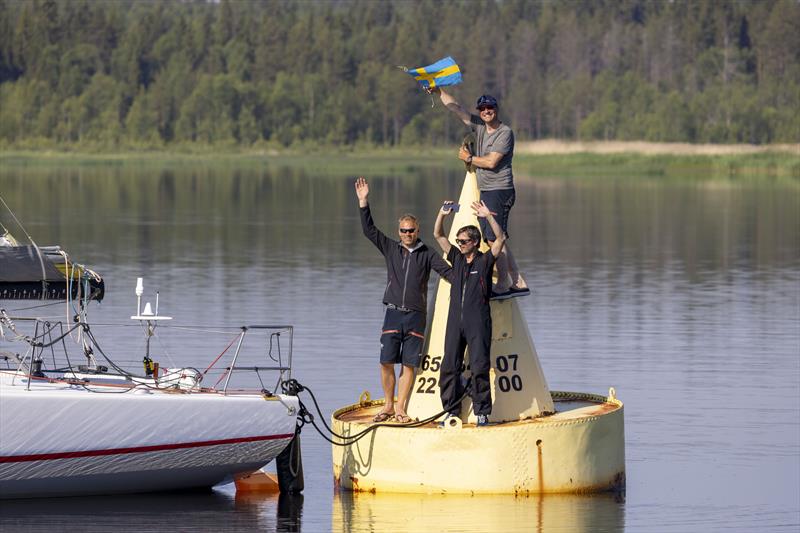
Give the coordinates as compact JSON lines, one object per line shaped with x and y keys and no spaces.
{"x":383,"y":416}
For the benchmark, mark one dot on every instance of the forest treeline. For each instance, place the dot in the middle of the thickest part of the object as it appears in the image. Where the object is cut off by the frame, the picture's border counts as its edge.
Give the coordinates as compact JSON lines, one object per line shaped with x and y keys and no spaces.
{"x":279,"y":73}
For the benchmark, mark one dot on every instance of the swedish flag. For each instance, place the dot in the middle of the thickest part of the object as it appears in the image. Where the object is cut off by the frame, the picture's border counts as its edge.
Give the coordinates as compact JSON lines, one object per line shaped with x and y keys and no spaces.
{"x":441,"y":74}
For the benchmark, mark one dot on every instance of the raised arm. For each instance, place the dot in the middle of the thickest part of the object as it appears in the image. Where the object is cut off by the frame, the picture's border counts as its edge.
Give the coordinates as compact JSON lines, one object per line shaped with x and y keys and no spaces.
{"x":438,"y":226}
{"x":450,"y":103}
{"x":500,"y":236}
{"x":371,"y":232}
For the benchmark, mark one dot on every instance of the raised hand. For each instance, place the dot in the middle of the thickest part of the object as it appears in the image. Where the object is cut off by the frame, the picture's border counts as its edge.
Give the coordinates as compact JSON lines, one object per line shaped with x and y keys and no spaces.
{"x":481,"y":210}
{"x":362,"y":190}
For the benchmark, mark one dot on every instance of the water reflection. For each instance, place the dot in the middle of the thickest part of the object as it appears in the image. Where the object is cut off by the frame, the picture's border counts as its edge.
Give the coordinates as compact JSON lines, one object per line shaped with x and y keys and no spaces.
{"x":354,"y":512}
{"x":284,"y":217}
{"x":287,"y":508}
{"x":209,"y":510}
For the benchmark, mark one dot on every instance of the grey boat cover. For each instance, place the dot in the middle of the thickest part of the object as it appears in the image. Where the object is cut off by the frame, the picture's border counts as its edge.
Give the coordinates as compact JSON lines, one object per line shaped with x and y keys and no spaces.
{"x":27,"y":275}
{"x":23,"y":263}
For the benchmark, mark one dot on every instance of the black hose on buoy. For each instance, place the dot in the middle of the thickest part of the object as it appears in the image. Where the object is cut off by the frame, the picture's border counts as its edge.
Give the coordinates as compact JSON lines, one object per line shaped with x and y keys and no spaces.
{"x":289,"y":462}
{"x":293,"y":387}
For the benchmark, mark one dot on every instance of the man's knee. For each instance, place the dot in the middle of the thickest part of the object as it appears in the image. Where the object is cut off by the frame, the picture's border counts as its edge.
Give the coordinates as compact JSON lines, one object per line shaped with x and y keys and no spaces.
{"x":479,"y":361}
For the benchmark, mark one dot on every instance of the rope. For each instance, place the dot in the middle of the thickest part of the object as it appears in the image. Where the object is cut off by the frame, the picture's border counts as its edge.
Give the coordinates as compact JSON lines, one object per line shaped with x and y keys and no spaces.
{"x":275,"y":334}
{"x":221,"y":378}
{"x":39,"y":344}
{"x":293,"y":387}
{"x":113,"y":365}
{"x":16,"y":220}
{"x":35,"y":306}
{"x":220,"y":355}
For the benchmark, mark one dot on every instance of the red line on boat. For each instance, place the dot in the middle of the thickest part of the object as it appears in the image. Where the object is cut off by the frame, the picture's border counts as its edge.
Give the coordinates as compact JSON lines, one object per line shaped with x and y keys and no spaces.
{"x":138,"y":449}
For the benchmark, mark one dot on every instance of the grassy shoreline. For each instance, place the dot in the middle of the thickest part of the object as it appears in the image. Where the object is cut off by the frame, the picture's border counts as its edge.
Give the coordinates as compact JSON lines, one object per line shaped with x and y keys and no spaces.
{"x":544,"y":158}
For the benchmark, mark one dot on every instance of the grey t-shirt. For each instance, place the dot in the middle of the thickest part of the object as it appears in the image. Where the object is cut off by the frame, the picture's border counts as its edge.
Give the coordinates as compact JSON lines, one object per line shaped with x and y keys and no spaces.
{"x":500,"y":141}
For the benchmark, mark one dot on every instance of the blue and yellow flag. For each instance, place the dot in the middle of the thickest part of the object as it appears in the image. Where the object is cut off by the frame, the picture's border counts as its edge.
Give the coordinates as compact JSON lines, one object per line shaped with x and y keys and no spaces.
{"x":441,"y":74}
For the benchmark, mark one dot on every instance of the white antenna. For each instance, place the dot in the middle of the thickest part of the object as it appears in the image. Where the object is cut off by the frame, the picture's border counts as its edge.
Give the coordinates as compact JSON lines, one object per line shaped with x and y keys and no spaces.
{"x":139,"y":292}
{"x":147,"y":316}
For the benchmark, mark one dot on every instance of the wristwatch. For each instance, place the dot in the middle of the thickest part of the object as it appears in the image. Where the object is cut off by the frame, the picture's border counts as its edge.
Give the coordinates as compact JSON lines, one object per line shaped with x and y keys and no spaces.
{"x":469,"y":160}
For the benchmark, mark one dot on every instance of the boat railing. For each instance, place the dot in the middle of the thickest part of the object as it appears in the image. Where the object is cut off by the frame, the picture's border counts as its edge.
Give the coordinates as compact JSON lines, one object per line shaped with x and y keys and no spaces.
{"x":57,"y":350}
{"x":284,"y":370}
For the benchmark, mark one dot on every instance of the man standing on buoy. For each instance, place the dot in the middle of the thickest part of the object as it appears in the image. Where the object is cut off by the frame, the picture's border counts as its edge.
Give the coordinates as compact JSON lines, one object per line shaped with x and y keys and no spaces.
{"x":469,"y":322}
{"x":494,"y":150}
{"x":408,"y":265}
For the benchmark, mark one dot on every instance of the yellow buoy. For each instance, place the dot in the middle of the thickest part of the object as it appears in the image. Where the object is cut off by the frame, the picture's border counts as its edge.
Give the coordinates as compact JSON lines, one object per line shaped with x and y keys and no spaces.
{"x":539,"y":441}
{"x":580,"y":448}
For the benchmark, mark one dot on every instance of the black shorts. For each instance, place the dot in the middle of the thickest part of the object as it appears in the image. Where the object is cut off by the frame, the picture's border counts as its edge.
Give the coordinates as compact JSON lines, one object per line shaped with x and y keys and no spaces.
{"x":498,"y":202}
{"x":402,"y":337}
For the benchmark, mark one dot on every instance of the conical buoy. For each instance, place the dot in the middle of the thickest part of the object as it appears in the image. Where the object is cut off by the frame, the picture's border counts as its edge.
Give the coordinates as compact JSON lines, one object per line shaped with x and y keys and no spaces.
{"x":519,"y":388}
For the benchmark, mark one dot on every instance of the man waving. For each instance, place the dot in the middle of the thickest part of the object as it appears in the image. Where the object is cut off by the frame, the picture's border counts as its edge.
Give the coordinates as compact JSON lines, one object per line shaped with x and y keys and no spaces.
{"x":408,"y":266}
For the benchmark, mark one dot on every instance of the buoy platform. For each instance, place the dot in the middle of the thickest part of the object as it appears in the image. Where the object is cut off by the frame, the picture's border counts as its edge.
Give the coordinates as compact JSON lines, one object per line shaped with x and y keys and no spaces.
{"x":578,"y":449}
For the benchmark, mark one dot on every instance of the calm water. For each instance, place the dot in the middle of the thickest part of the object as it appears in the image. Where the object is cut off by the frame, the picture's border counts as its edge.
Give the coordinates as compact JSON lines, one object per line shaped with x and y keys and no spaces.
{"x":684,"y":295}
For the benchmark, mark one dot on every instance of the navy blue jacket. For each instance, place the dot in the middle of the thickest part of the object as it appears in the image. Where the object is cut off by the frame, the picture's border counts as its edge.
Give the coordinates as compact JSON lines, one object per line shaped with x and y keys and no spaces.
{"x":407,"y":272}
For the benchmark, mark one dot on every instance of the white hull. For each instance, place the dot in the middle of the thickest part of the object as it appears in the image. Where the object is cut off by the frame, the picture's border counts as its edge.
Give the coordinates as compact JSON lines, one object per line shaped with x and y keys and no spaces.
{"x":58,"y":439}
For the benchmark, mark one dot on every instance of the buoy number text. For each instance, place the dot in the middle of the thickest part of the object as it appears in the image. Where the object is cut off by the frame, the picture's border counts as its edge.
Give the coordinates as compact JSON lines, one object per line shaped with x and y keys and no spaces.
{"x":504,"y":364}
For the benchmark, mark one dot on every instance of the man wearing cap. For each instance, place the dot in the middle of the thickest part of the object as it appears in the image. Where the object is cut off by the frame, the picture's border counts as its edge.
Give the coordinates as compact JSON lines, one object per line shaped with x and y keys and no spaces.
{"x":408,"y":266}
{"x":494,"y":149}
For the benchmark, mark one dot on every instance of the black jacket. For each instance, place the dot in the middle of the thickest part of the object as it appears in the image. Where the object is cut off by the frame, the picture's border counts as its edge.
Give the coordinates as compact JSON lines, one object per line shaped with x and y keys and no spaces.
{"x":470,"y":288}
{"x":407,"y":272}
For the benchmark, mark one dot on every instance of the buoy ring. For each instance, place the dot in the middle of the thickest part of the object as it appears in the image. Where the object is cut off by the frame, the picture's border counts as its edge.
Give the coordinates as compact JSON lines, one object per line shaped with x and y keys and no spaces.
{"x":365,"y":398}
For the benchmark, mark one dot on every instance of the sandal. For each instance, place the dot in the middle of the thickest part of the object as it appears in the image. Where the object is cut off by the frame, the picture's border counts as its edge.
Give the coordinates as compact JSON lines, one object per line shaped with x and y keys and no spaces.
{"x":382,"y":417}
{"x":402,"y":419}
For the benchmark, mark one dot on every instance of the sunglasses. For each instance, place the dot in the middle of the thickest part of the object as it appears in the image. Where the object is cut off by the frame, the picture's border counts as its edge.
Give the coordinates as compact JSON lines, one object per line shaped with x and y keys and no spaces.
{"x":463,"y":242}
{"x":485,"y":108}
{"x":408,"y":230}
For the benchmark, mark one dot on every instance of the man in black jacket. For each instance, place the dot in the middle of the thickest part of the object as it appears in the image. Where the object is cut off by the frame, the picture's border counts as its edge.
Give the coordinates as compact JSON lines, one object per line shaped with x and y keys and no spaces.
{"x":408,"y":266}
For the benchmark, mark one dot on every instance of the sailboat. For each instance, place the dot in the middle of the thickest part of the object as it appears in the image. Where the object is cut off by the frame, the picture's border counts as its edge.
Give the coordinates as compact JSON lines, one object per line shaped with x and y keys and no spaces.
{"x":74,"y":422}
{"x":539,"y":441}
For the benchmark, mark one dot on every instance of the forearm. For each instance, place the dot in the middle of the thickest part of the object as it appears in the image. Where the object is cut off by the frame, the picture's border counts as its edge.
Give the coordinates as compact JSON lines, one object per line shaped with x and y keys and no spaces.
{"x":488,"y":162}
{"x":438,"y":233}
{"x":500,"y":235}
{"x":371,"y":232}
{"x":450,"y":103}
{"x":438,"y":226}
